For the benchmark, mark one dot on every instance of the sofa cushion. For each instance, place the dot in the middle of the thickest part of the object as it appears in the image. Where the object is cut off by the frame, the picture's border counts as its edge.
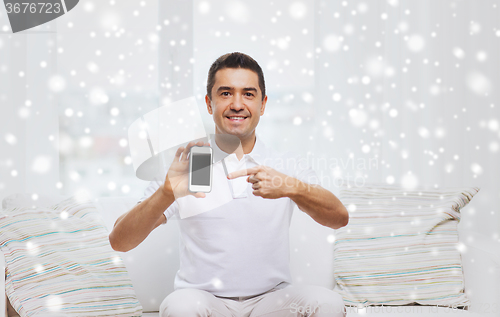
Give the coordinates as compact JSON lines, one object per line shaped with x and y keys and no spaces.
{"x":401,"y":246}
{"x":59,"y":262}
{"x":153,"y":264}
{"x":31,"y":200}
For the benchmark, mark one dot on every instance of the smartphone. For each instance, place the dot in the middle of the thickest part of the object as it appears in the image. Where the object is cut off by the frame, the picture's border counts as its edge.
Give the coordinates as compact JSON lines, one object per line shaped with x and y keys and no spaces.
{"x":200,"y":169}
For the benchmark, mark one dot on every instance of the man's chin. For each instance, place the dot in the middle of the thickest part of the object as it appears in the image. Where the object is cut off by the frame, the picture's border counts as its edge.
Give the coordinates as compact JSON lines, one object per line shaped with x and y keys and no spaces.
{"x":237,"y":133}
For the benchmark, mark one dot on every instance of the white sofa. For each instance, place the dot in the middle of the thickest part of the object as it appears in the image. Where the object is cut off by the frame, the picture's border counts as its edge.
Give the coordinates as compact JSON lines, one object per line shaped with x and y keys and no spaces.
{"x":153,"y":264}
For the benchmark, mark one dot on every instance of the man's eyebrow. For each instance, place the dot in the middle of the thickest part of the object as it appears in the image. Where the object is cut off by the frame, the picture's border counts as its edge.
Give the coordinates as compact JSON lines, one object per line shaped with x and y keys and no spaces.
{"x":232,"y":88}
{"x":250,"y":89}
{"x":224,"y":88}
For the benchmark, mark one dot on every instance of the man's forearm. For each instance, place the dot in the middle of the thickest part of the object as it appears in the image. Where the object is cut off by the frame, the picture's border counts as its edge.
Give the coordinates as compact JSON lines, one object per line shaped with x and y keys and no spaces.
{"x":134,"y":226}
{"x":319,"y":203}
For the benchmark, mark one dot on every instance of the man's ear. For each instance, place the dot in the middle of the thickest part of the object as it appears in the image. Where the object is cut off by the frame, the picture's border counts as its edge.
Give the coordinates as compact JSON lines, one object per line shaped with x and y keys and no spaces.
{"x":263,"y":107}
{"x":209,"y":104}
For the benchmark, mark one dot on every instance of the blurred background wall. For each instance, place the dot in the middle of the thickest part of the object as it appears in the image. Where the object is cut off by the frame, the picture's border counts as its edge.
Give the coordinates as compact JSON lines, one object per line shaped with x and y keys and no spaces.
{"x":397,"y":92}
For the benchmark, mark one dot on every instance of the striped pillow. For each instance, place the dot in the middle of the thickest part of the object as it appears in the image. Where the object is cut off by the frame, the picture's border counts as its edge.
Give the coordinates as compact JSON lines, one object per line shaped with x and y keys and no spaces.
{"x":401,"y":246}
{"x":59,"y":263}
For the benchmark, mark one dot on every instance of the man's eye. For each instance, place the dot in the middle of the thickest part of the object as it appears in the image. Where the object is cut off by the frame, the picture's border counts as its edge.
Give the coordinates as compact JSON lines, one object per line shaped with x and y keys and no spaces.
{"x":249,"y":94}
{"x":225,"y":93}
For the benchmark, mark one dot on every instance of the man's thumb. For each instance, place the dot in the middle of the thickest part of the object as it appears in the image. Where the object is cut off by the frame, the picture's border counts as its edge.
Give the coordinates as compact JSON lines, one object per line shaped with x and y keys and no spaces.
{"x":200,"y":195}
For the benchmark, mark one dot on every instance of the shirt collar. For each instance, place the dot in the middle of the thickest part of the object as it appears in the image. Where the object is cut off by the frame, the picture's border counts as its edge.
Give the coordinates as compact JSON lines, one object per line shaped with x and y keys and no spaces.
{"x":258,"y":153}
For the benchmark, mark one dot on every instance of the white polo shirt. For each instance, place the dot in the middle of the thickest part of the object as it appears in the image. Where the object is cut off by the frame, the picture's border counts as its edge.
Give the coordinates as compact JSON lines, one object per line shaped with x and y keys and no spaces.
{"x":240,"y":247}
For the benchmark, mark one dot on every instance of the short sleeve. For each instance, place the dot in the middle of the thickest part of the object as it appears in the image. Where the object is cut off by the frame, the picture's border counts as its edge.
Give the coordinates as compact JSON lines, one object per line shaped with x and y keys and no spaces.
{"x":300,"y":169}
{"x":151,"y":189}
{"x":303,"y":171}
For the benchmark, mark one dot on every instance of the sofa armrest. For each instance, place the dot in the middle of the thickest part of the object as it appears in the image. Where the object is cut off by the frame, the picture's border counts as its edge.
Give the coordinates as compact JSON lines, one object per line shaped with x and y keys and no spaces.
{"x":481,"y":265}
{"x":3,"y":296}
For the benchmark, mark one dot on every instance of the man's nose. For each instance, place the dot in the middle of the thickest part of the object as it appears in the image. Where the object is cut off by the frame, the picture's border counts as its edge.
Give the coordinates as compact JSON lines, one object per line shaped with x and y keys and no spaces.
{"x":237,"y":103}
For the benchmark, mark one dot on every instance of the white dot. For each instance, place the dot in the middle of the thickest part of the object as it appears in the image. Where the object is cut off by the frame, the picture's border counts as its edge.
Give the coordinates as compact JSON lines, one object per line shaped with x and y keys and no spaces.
{"x":416,"y":43}
{"x":123,"y":142}
{"x":476,"y":169}
{"x":461,"y":248}
{"x":362,"y":7}
{"x":39,"y":268}
{"x":332,"y":42}
{"x":474,"y":28}
{"x":330,"y":238}
{"x":10,"y":138}
{"x":494,"y":146}
{"x":86,"y":141}
{"x":478,"y":83}
{"x":88,"y":6}
{"x":41,"y":164}
{"x":481,"y":56}
{"x":493,"y":125}
{"x":336,"y":97}
{"x":358,"y":117}
{"x":114,"y":111}
{"x":423,"y":132}
{"x":298,"y":10}
{"x":23,"y":112}
{"x":351,"y":208}
{"x":57,"y":83}
{"x":54,"y":303}
{"x":204,"y":7}
{"x":97,"y":96}
{"x":389,"y":179}
{"x":393,"y":3}
{"x":297,"y":120}
{"x":217,"y":283}
{"x":409,"y":181}
{"x":125,"y":189}
{"x":92,"y":67}
{"x":365,"y":80}
{"x":111,"y":186}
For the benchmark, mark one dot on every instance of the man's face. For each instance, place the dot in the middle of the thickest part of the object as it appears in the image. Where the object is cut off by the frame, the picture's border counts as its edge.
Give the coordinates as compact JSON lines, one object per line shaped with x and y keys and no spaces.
{"x":236,"y":104}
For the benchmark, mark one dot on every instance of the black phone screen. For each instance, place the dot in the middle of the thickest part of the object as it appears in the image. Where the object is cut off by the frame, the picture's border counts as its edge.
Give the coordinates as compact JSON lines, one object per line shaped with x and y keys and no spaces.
{"x":201,"y":169}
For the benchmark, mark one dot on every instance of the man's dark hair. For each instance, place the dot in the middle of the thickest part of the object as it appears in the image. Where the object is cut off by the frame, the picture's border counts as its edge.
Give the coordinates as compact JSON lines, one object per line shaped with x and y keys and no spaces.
{"x":235,"y":60}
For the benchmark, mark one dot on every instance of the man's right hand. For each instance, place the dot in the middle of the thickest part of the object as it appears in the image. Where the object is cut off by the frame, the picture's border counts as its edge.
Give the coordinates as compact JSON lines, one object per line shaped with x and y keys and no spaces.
{"x":177,"y":179}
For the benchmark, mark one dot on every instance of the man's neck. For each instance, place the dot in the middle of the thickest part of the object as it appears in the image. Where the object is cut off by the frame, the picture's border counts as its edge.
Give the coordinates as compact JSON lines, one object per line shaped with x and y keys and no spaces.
{"x":228,"y":145}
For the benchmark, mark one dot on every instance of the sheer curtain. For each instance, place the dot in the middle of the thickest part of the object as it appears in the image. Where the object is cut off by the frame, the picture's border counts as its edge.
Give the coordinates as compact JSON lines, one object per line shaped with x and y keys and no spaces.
{"x":413,"y":84}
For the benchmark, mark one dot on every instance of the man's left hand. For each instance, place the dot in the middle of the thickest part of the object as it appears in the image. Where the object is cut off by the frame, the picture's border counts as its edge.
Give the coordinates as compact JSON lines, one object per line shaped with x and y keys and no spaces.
{"x":267,"y":182}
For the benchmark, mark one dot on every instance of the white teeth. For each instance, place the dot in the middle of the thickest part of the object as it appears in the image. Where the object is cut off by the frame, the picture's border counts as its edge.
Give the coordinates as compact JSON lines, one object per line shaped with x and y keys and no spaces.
{"x":236,"y":118}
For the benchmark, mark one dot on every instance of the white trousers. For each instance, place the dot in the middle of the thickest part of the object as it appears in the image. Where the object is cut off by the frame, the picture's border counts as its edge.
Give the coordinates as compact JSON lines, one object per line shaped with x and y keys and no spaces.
{"x":290,"y":301}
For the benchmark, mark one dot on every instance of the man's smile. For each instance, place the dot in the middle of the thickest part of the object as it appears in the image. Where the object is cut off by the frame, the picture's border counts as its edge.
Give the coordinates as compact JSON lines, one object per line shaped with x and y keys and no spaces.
{"x":236,"y":118}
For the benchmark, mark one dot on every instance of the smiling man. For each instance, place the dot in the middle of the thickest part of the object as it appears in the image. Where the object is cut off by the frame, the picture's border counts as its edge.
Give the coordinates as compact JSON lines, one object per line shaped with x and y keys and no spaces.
{"x":235,"y":258}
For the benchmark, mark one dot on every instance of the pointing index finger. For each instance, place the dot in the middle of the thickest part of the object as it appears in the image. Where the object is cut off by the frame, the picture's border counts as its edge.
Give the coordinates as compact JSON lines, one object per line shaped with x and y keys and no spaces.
{"x":243,"y":172}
